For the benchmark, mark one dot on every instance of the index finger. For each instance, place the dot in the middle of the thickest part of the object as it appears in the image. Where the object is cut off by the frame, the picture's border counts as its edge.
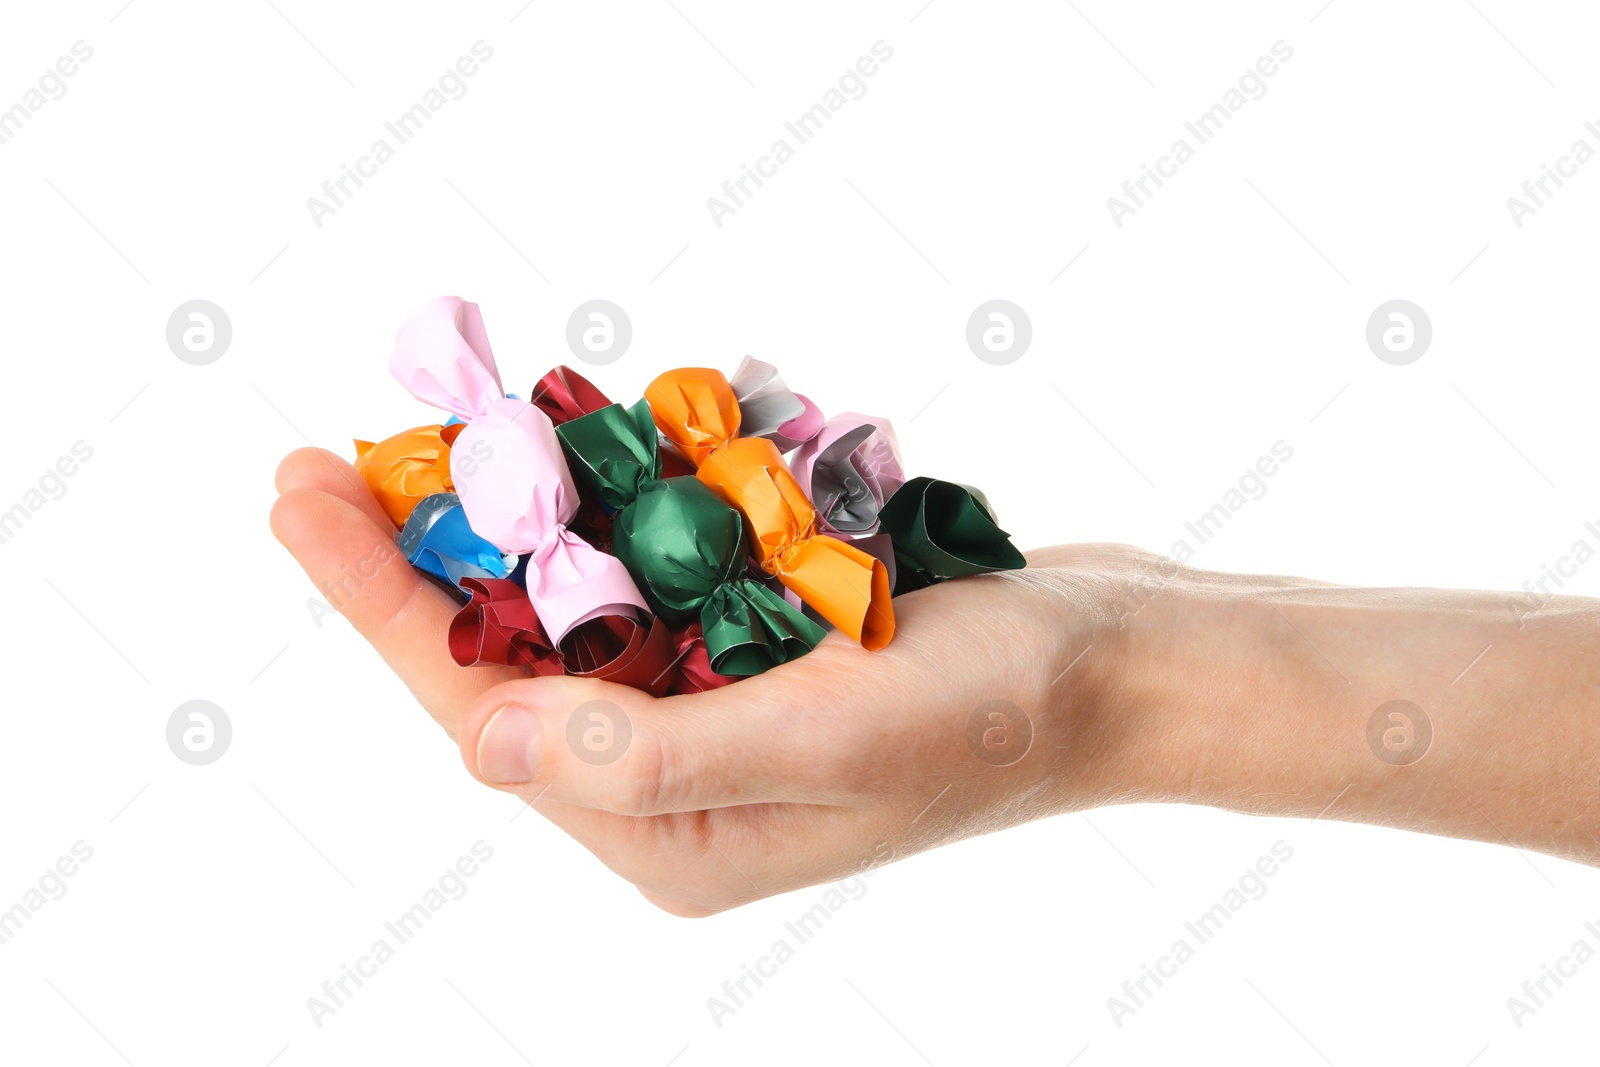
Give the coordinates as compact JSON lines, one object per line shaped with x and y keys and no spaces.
{"x":354,"y":562}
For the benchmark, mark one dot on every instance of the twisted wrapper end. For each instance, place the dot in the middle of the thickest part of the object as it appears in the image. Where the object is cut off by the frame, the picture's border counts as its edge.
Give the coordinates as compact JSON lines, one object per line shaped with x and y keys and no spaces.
{"x":695,"y":408}
{"x":766,"y":404}
{"x":499,"y":626}
{"x":403,"y":469}
{"x":564,"y":395}
{"x":749,"y":628}
{"x":442,"y":357}
{"x":571,"y":583}
{"x":800,"y":429}
{"x":613,"y":451}
{"x":625,"y":649}
{"x":769,"y":408}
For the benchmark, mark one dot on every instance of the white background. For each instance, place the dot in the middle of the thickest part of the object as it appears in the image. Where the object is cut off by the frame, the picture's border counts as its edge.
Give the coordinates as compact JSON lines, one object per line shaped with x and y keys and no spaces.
{"x":1226,"y":315}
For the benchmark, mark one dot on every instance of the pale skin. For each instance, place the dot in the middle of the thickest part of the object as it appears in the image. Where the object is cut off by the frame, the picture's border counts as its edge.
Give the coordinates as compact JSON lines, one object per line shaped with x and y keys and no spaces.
{"x":1144,"y":680}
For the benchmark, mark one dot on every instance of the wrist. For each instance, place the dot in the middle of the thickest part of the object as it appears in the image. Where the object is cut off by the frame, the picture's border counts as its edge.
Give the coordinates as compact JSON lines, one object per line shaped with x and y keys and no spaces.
{"x":1131,"y":631}
{"x":1192,"y":689}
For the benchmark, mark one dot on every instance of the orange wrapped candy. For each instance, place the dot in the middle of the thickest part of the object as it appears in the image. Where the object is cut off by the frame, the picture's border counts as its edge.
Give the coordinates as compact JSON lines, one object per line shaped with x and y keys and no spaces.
{"x":696,"y":410}
{"x":402,"y":469}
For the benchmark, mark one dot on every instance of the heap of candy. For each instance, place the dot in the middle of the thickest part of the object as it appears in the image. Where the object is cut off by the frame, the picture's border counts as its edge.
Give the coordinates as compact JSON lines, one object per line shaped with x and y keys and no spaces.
{"x":669,"y":545}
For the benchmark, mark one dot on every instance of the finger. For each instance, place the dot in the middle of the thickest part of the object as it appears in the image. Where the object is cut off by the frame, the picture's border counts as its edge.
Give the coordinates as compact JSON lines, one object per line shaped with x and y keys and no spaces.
{"x":698,"y":863}
{"x":701,"y":863}
{"x":327,"y":472}
{"x":355,"y":563}
{"x":695,"y":863}
{"x":762,"y":851}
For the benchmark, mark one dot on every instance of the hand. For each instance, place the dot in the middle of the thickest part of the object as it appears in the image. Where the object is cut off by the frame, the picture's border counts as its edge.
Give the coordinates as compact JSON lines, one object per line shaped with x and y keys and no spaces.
{"x":822,"y":767}
{"x":1139,"y":678}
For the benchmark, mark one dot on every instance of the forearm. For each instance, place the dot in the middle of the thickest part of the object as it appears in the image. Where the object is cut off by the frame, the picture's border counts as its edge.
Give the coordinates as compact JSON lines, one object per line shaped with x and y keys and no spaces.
{"x":1259,"y":695}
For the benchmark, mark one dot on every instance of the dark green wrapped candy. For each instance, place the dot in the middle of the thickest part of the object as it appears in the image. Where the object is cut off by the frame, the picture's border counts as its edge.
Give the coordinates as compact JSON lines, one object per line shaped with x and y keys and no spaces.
{"x":684,"y":547}
{"x":942,"y":530}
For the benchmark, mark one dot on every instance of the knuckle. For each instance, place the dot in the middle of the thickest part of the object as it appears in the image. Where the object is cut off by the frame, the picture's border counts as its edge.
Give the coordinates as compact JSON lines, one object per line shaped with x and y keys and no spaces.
{"x":637,"y":784}
{"x":676,"y":864}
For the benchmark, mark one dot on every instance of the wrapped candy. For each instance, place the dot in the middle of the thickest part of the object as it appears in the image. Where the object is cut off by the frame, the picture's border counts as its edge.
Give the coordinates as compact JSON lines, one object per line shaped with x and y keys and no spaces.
{"x":507,"y":468}
{"x":499,"y":625}
{"x":438,"y":540}
{"x":696,"y":410}
{"x":684,"y":546}
{"x":849,"y":468}
{"x":942,"y":530}
{"x":404,"y":469}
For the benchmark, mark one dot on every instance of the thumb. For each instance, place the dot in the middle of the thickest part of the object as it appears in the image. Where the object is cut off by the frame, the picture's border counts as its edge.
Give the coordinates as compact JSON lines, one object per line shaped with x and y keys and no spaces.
{"x":610,"y":747}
